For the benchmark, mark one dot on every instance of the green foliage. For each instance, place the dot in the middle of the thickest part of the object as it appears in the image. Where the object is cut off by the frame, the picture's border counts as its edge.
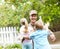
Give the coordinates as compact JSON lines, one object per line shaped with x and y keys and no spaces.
{"x":13,"y":46}
{"x":13,"y":10}
{"x":0,"y":47}
{"x":17,"y":46}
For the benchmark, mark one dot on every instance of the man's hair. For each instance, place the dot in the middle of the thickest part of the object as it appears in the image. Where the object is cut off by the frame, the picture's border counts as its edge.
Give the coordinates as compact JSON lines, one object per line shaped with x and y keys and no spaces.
{"x":33,"y":12}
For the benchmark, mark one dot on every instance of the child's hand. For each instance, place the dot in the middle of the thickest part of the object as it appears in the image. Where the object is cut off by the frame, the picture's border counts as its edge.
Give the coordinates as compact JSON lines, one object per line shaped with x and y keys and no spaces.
{"x":53,"y":38}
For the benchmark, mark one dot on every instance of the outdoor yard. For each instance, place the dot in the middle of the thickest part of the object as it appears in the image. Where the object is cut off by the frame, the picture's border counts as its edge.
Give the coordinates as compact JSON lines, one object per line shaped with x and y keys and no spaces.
{"x":12,"y":11}
{"x":56,"y":44}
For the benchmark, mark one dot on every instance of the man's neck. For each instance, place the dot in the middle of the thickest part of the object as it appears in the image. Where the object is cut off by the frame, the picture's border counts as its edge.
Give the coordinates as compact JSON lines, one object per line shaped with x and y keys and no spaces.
{"x":32,"y":23}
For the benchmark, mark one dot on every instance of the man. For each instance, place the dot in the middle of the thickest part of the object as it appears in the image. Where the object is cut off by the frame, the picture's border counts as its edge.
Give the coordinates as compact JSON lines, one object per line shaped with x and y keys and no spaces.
{"x":33,"y":17}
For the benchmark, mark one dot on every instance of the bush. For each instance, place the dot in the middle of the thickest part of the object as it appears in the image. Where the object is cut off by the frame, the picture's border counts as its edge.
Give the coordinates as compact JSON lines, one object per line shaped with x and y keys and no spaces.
{"x":0,"y":47}
{"x":18,"y":46}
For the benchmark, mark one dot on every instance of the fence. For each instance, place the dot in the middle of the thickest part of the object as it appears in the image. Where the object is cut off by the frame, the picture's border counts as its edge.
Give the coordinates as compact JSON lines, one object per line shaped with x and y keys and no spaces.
{"x":8,"y":35}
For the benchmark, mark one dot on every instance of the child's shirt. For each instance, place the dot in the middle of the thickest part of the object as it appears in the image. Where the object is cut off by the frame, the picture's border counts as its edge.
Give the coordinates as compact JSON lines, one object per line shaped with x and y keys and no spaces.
{"x":26,"y":35}
{"x":22,"y":34}
{"x":40,"y":39}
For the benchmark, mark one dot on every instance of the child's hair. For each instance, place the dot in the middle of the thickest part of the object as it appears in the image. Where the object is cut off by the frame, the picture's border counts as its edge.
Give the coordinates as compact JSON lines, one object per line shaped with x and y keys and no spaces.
{"x":39,"y":24}
{"x":23,"y":21}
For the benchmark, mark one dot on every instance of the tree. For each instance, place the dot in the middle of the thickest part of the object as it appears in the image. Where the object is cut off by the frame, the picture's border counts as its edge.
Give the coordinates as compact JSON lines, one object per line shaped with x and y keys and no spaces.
{"x":11,"y":11}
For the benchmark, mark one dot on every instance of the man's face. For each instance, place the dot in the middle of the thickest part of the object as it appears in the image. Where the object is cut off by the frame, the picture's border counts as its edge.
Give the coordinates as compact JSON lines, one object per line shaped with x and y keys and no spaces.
{"x":33,"y":18}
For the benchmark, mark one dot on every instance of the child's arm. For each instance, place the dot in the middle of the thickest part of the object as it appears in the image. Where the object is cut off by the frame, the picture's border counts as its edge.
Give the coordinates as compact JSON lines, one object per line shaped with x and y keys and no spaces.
{"x":52,"y":36}
{"x":31,"y":36}
{"x":26,"y":38}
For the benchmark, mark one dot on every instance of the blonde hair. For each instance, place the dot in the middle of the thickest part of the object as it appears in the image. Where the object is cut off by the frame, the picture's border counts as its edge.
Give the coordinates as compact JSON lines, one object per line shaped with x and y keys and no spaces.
{"x":39,"y":24}
{"x":24,"y":22}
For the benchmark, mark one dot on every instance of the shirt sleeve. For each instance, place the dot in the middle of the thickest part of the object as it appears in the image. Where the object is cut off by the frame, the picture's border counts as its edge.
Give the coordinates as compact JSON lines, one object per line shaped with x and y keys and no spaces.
{"x":32,"y":35}
{"x":48,"y":31}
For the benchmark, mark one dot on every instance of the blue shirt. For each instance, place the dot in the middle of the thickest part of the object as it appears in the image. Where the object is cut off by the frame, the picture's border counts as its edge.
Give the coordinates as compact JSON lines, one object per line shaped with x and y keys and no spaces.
{"x":40,"y":39}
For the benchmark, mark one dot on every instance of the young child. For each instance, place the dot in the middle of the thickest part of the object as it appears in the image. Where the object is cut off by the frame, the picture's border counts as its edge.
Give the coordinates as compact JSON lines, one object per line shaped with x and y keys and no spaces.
{"x":25,"y":32}
{"x":40,"y":37}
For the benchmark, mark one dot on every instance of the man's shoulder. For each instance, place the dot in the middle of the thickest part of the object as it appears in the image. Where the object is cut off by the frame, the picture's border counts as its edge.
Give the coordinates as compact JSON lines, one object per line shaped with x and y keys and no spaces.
{"x":29,"y":24}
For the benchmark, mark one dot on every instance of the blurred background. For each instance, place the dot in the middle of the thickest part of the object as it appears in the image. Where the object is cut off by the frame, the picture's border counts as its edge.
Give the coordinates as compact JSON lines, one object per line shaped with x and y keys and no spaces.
{"x":11,"y":11}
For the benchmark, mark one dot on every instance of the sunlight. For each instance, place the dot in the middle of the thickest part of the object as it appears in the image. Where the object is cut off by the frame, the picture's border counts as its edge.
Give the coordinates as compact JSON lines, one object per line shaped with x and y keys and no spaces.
{"x":1,"y":2}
